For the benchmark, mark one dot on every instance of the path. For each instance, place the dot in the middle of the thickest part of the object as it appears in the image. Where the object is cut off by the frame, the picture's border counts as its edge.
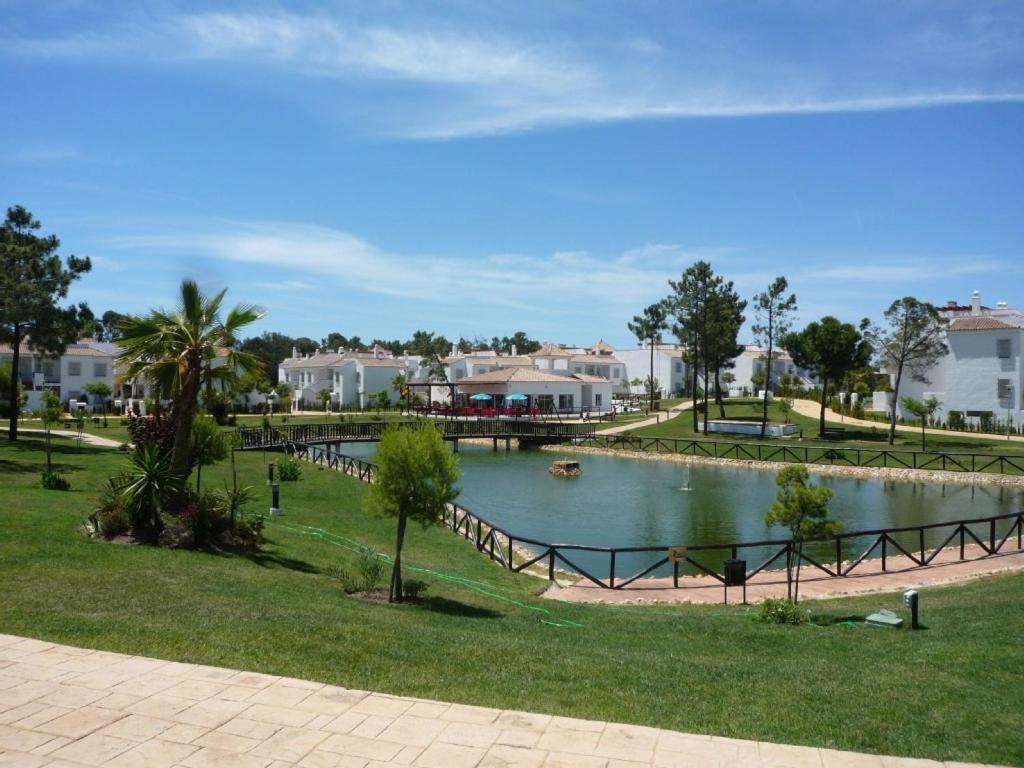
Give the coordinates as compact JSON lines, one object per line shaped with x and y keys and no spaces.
{"x":901,"y":574}
{"x":812,"y":410}
{"x":100,"y":442}
{"x":67,"y":707}
{"x":672,"y":413}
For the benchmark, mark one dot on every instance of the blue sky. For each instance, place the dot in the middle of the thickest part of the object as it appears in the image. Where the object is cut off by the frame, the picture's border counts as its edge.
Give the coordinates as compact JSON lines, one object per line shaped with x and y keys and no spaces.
{"x":479,"y":168}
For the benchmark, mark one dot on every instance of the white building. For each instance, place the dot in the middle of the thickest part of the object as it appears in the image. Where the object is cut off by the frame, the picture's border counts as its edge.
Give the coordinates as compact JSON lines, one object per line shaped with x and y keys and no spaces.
{"x":546,"y":391}
{"x":352,"y":378}
{"x":754,"y":360}
{"x":82,"y":363}
{"x":983,"y":372}
{"x":669,"y":369}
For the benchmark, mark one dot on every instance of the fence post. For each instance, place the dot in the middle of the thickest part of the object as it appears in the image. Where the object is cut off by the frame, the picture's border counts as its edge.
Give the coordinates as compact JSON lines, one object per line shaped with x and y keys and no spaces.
{"x":551,"y":563}
{"x":922,"y":545}
{"x":992,"y":536}
{"x":885,"y":540}
{"x":611,"y":577}
{"x":839,"y":556}
{"x":963,"y":528}
{"x":675,"y":574}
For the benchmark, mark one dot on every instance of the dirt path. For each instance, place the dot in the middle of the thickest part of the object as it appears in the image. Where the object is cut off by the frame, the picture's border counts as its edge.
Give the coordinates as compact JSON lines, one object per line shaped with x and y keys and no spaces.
{"x":670,"y":414}
{"x":812,"y":410}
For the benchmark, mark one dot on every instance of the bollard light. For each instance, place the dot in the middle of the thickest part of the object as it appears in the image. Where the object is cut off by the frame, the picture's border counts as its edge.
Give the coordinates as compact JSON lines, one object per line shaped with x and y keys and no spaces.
{"x":910,"y":601}
{"x":270,"y":473}
{"x":275,"y":504}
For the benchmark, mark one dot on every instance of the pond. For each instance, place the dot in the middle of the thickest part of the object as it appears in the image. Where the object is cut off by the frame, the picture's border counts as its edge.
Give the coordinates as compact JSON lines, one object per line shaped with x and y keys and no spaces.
{"x":621,"y":502}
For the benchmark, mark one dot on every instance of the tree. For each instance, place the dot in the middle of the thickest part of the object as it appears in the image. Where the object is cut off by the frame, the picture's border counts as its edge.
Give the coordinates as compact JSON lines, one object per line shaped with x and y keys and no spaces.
{"x":170,"y":349}
{"x":209,"y":444}
{"x":913,"y":341}
{"x":690,"y":304}
{"x":829,"y":348}
{"x":398,"y":384}
{"x":106,"y":328}
{"x":773,"y":310}
{"x":51,"y":410}
{"x":101,"y":390}
{"x":803,"y":509}
{"x":33,"y":279}
{"x":415,"y":479}
{"x":324,"y":398}
{"x":924,"y":410}
{"x":6,"y":382}
{"x":721,"y":342}
{"x":648,"y":327}
{"x":785,"y":407}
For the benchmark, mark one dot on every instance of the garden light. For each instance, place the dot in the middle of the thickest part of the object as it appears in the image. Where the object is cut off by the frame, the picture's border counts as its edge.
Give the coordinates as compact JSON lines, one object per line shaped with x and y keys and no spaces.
{"x":275,"y":504}
{"x":910,"y":601}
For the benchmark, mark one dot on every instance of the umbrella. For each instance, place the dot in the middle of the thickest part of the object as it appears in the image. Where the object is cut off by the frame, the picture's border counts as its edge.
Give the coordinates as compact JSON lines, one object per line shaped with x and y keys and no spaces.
{"x":516,"y":396}
{"x":480,"y":396}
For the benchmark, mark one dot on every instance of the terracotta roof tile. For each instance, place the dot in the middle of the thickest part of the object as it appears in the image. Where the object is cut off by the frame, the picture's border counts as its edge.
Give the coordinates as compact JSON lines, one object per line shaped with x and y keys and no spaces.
{"x":979,"y":324}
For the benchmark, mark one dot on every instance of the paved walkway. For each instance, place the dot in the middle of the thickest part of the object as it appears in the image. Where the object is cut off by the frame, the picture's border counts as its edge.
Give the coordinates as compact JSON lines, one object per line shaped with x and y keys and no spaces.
{"x":867,"y":578}
{"x":66,"y":707}
{"x":656,"y":419}
{"x":101,"y":442}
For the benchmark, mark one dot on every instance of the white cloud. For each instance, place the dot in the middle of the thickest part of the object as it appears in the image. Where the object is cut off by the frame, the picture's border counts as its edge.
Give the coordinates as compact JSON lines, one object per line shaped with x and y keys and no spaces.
{"x":471,"y":80}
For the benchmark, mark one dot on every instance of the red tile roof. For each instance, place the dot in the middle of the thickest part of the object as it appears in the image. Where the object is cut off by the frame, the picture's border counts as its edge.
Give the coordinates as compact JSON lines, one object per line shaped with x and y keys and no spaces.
{"x":979,"y":324}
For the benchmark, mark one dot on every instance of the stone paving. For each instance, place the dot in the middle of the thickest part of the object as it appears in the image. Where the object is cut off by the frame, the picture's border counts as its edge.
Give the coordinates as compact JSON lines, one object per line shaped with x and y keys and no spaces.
{"x":66,"y":707}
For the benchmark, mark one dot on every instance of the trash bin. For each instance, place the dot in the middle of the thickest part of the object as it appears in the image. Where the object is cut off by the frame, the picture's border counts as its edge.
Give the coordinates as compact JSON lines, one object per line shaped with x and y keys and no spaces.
{"x":735,"y":573}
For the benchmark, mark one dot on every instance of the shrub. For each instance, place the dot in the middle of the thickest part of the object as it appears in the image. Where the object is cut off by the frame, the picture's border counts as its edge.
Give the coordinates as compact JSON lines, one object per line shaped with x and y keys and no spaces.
{"x":858,"y":410}
{"x":289,"y":470}
{"x":54,"y":481}
{"x":266,"y":422}
{"x":110,"y":517}
{"x":249,"y":529}
{"x":152,"y":430}
{"x":414,"y":588}
{"x":368,"y":576}
{"x":779,"y":610}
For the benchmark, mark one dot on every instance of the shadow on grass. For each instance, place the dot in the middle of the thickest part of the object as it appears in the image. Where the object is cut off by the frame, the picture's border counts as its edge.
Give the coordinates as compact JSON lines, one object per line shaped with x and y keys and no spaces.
{"x":455,"y":608}
{"x":270,"y":560}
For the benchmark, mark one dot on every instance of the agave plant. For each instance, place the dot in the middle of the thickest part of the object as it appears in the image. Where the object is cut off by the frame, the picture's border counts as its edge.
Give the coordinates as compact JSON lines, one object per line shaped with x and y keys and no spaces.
{"x":146,"y":486}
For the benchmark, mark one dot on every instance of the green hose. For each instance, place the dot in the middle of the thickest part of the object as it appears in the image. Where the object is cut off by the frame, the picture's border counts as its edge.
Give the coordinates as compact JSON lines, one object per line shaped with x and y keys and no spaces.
{"x":480,"y":587}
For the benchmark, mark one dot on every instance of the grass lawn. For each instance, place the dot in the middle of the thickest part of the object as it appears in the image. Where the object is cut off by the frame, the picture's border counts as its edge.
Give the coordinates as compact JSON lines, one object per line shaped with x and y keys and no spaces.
{"x":853,"y":436}
{"x":484,"y":637}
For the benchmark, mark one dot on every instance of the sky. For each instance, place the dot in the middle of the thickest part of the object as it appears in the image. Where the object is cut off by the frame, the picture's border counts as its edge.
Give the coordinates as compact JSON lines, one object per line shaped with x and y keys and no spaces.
{"x":480,"y":168}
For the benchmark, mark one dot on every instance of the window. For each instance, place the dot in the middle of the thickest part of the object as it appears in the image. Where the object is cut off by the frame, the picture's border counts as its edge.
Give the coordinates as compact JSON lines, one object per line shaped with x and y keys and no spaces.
{"x":1005,"y":389}
{"x":577,"y":369}
{"x":99,"y":370}
{"x":615,"y":372}
{"x":74,"y":369}
{"x":679,"y":366}
{"x":1003,"y":348}
{"x":359,"y":378}
{"x":597,"y":400}
{"x":565,"y":402}
{"x":545,"y":403}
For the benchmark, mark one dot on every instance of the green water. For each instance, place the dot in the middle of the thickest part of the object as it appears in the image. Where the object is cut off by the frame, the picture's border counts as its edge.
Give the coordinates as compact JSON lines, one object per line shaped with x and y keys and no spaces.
{"x":621,"y":502}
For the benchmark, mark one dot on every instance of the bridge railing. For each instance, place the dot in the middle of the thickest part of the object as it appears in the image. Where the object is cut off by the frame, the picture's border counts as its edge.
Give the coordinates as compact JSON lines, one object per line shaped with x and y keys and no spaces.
{"x":996,"y":463}
{"x":992,"y":535}
{"x":338,"y":432}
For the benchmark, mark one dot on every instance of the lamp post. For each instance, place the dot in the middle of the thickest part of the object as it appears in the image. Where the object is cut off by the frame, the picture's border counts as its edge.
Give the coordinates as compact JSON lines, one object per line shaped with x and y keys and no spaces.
{"x":275,"y":504}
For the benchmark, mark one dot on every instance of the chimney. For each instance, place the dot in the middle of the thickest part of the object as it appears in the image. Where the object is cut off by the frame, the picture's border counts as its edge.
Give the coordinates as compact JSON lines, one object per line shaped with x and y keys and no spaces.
{"x":341,"y":350}
{"x":295,"y":353}
{"x":454,"y":351}
{"x":514,"y":350}
{"x":976,"y":303}
{"x":377,"y":352}
{"x":316,"y":351}
{"x":951,"y":304}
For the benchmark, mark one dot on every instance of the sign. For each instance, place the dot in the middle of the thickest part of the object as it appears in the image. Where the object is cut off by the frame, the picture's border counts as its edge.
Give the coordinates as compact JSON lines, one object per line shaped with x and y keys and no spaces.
{"x":676,"y":554}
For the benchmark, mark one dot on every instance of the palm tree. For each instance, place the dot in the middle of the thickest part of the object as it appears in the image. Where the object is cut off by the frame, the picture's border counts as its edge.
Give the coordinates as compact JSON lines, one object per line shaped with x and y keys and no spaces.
{"x":173,"y":350}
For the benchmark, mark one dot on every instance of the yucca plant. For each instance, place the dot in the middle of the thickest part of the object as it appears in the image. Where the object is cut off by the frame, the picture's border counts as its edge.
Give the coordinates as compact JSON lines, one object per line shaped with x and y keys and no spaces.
{"x":146,"y":486}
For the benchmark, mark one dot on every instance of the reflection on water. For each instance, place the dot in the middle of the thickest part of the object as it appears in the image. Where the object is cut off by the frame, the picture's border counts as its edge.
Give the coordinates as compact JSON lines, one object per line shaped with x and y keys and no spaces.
{"x":627,"y":502}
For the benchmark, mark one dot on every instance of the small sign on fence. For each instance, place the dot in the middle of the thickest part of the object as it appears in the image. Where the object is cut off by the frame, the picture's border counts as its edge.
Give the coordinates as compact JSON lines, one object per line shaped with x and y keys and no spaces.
{"x":676,"y":554}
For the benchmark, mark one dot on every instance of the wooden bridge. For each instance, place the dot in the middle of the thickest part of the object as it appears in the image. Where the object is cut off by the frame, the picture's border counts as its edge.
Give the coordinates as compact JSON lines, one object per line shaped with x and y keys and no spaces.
{"x":525,"y":431}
